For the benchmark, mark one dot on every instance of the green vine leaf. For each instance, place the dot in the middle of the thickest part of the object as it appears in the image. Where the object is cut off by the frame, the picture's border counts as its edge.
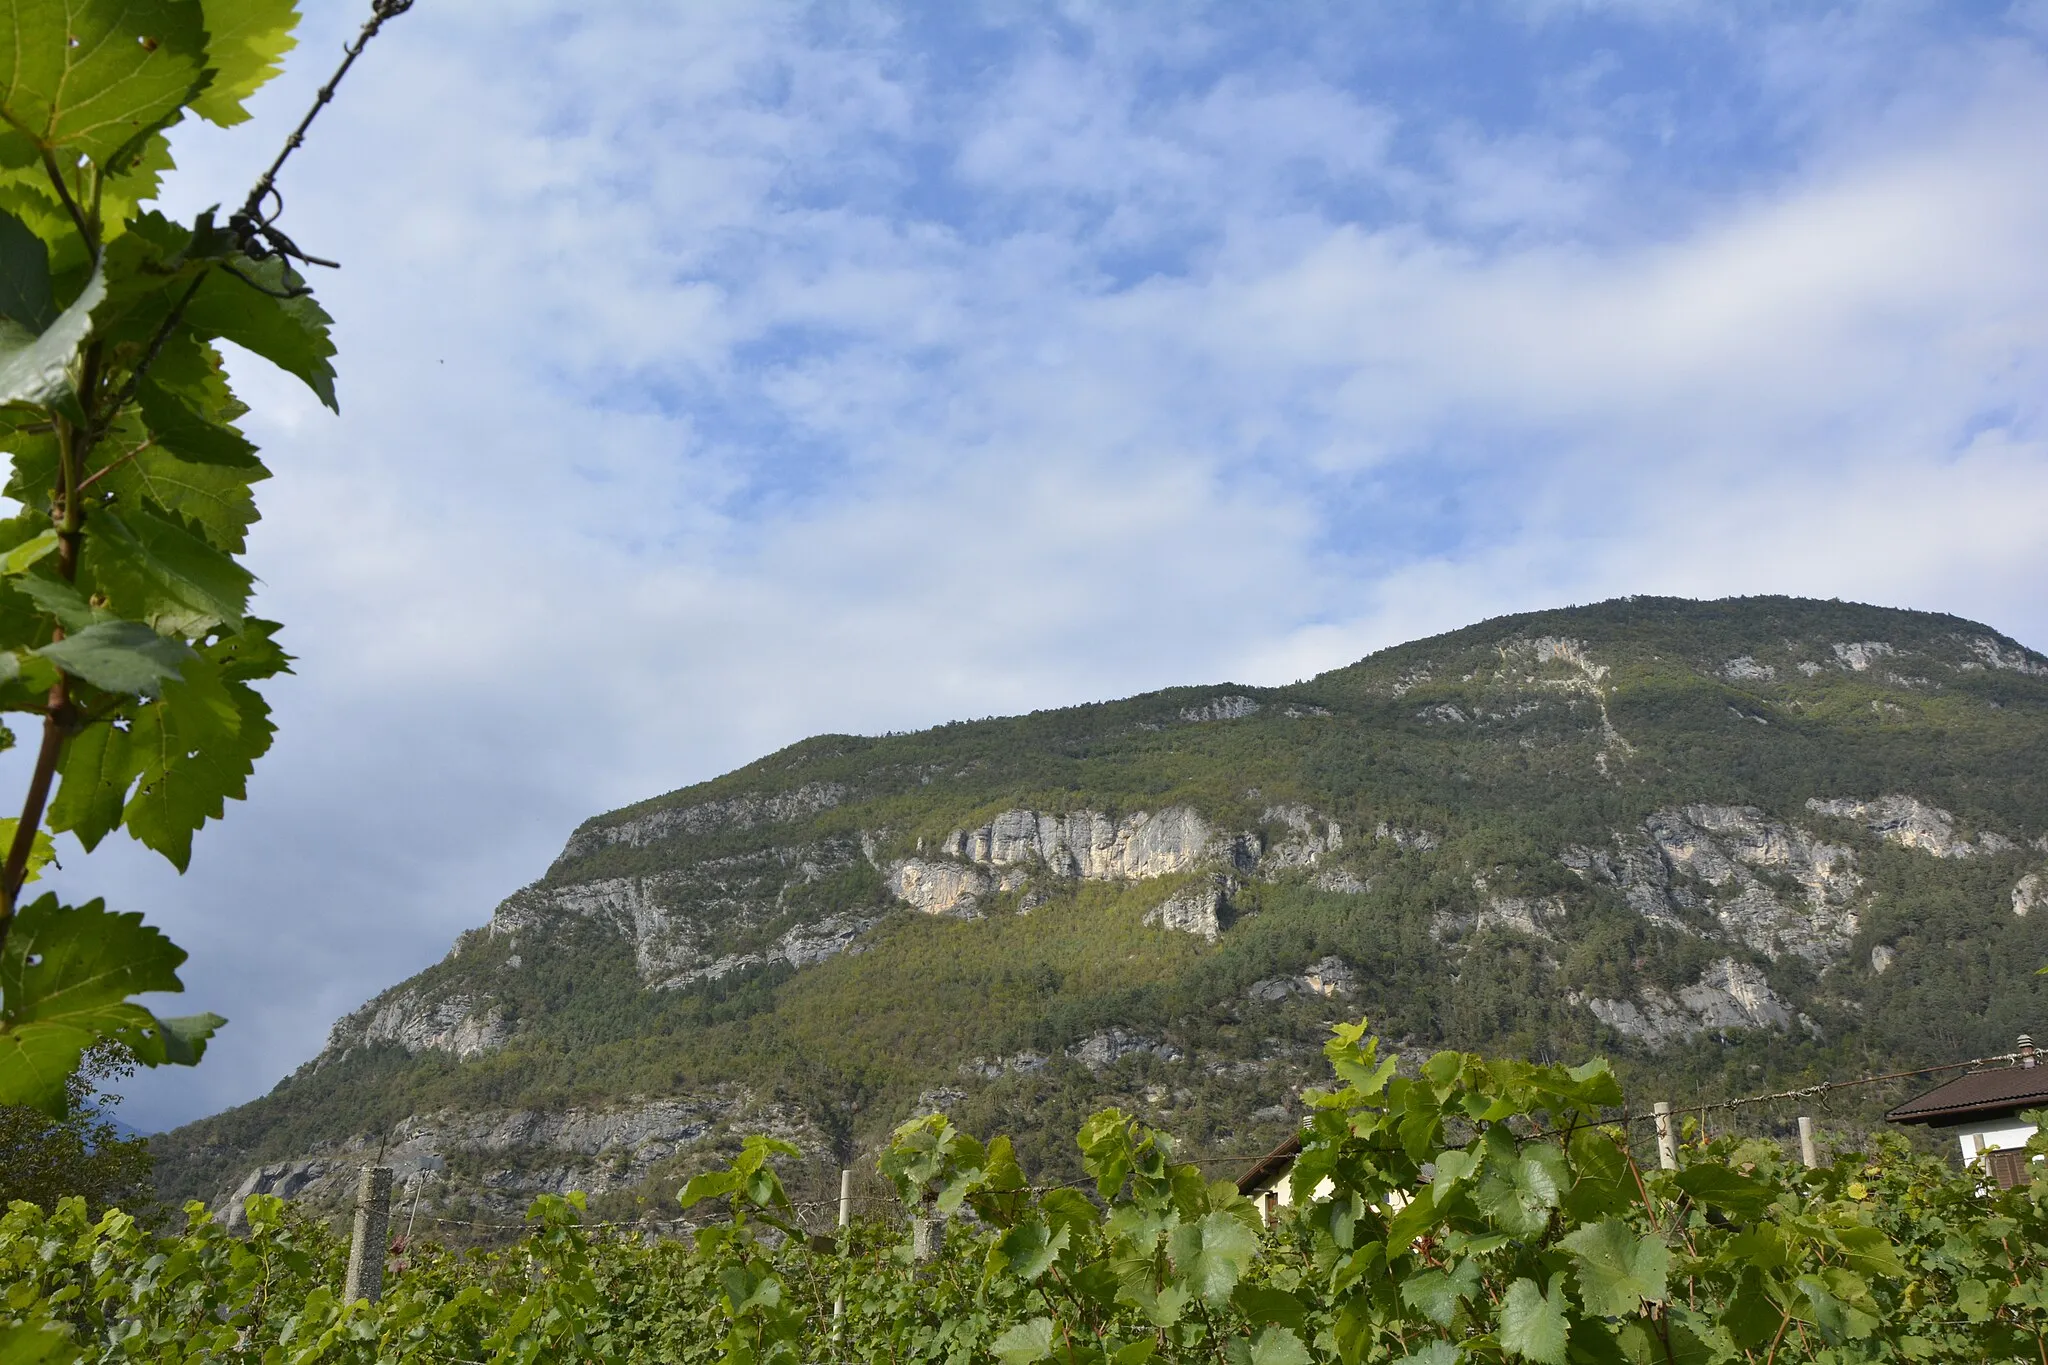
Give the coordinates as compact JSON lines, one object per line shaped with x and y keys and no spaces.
{"x":1436,"y":1294}
{"x":197,"y":747}
{"x":1261,"y":1303}
{"x":37,"y":369}
{"x":42,"y":852}
{"x":66,"y":974}
{"x":1211,"y":1254}
{"x":94,"y":77}
{"x":246,"y":43}
{"x":1435,"y":1353}
{"x":99,"y":767}
{"x":1279,"y":1346}
{"x":1618,"y":1269}
{"x":1716,"y":1186}
{"x":191,"y":437}
{"x":28,"y":554}
{"x":120,"y":656}
{"x":161,"y":569}
{"x":25,"y":286}
{"x":1518,"y":1190}
{"x":290,"y":333}
{"x":1751,"y":1316}
{"x":1027,"y":1250}
{"x":1532,"y":1323}
{"x":1025,"y":1343}
{"x":33,"y":1343}
{"x":59,"y":600}
{"x":184,"y":755}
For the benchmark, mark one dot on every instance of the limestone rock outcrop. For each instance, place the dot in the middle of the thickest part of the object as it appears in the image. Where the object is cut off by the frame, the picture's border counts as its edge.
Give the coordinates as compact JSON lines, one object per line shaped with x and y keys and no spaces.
{"x":1089,"y":845}
{"x":1202,"y":909}
{"x":1003,"y":854}
{"x":1728,"y":995}
{"x":734,"y":813}
{"x":1912,"y":823}
{"x":1859,"y":656}
{"x":1309,"y":839}
{"x":1220,"y":708}
{"x":1696,"y":870}
{"x":1330,"y":978}
{"x":1589,"y":681}
{"x":938,"y":886}
{"x":1992,"y":654}
{"x":462,"y":1024}
{"x":285,"y":1179}
{"x":521,"y":1152}
{"x":1112,"y":1045}
{"x":682,"y":923}
{"x":1418,"y":840}
{"x":1529,"y":916}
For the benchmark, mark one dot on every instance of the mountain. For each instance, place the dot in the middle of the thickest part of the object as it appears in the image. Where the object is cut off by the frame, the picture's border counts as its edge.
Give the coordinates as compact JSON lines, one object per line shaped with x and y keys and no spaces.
{"x":1729,"y":844}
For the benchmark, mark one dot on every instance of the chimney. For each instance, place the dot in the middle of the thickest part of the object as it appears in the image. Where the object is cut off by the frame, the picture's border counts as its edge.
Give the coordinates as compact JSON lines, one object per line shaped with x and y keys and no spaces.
{"x":2027,"y":1051}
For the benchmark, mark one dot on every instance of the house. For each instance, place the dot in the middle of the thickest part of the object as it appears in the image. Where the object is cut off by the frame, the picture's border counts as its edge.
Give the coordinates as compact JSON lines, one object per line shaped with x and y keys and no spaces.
{"x":1266,"y":1183}
{"x":1983,"y":1109}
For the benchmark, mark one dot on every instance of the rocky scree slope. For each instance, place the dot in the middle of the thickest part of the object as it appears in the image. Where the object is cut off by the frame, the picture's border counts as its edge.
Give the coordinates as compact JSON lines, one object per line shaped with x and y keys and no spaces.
{"x":1726,"y":843}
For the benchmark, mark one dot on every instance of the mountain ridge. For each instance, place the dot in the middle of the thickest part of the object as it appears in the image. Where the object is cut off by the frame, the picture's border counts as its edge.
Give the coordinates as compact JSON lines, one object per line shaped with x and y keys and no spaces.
{"x":1724,"y":841}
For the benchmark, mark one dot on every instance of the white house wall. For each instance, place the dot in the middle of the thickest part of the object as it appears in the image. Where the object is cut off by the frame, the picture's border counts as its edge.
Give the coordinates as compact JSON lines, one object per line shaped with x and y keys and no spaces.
{"x":1994,"y":1139}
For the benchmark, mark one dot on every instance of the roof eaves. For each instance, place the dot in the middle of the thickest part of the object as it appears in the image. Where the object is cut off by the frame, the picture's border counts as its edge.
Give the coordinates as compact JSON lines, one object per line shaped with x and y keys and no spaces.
{"x":1268,"y":1168}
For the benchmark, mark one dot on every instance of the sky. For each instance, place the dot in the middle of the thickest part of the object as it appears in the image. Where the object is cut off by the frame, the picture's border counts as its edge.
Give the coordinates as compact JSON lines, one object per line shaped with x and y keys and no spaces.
{"x":714,"y":375}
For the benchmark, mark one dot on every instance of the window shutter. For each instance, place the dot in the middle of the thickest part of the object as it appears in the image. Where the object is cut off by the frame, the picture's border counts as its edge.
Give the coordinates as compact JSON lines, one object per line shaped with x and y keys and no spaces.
{"x":2008,"y":1167}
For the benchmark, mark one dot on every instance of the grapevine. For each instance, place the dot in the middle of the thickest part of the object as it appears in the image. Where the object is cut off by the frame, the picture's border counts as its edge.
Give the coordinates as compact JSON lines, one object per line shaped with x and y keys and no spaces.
{"x":126,"y":635}
{"x":1473,"y":1211}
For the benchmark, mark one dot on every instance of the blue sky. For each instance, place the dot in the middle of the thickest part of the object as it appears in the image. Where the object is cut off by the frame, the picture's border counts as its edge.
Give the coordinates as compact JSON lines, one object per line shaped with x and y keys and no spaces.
{"x":717,"y":374}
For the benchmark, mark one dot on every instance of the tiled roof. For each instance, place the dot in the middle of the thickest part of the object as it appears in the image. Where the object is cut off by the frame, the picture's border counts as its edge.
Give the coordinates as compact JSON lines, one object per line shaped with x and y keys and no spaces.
{"x":2000,"y":1090}
{"x":1270,"y":1167}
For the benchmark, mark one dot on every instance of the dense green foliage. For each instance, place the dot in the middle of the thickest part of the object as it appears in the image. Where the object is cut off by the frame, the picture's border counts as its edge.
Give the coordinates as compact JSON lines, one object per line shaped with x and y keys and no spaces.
{"x":1533,"y":769}
{"x":125,"y":630}
{"x":1476,"y":1211}
{"x":83,"y":1154}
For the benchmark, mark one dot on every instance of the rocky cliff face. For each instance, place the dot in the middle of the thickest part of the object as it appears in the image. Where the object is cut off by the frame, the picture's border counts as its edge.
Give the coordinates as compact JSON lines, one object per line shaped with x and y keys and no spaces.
{"x":1696,"y":870}
{"x":743,"y":812}
{"x":512,"y":1156}
{"x":1690,"y":834}
{"x":1728,"y":995}
{"x":675,"y":921}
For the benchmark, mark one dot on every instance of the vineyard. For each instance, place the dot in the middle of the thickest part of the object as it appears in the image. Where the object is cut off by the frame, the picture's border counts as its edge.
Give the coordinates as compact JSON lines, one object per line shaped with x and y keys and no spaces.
{"x":1477,"y":1211}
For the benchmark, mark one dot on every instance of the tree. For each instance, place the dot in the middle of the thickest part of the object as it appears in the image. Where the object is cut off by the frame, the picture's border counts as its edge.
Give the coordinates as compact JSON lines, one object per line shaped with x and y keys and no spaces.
{"x":126,"y":637}
{"x":82,"y":1154}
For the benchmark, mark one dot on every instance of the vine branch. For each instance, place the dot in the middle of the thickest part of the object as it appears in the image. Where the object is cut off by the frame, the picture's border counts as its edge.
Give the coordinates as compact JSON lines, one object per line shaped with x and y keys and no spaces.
{"x":250,"y":223}
{"x":258,"y":236}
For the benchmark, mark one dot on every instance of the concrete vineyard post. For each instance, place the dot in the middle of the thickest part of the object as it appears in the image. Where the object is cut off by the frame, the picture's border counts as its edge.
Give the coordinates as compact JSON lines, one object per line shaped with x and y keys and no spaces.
{"x":845,"y":1221}
{"x":927,"y":1235}
{"x":1806,"y":1150}
{"x":1667,"y":1145}
{"x":372,"y":1229}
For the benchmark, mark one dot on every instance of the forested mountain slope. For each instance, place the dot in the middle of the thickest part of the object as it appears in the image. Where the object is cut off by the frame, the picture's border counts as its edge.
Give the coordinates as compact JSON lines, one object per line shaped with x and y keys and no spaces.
{"x":1725,"y":843}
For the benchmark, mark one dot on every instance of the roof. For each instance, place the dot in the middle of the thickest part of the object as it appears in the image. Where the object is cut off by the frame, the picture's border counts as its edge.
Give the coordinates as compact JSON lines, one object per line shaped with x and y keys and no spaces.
{"x":1978,"y":1094}
{"x":1270,"y":1167}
